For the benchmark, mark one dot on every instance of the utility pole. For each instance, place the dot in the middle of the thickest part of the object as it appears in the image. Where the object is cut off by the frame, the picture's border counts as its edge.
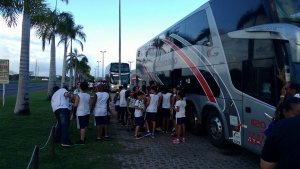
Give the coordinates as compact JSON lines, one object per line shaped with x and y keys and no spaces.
{"x":119,"y":42}
{"x":98,"y":69}
{"x":130,"y":64}
{"x":103,"y":63}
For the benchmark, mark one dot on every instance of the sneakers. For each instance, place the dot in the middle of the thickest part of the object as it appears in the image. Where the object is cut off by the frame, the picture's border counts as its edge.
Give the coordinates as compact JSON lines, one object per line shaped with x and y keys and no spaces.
{"x":183,"y":139}
{"x":69,"y":144}
{"x":107,"y":138}
{"x":80,"y":142}
{"x":176,"y":141}
{"x":147,"y":134}
{"x":98,"y":139}
{"x":138,"y":137}
{"x":152,"y":135}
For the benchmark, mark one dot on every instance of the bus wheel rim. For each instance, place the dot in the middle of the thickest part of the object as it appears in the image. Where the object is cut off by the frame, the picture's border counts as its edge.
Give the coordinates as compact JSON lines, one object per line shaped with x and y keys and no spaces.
{"x":216,"y":128}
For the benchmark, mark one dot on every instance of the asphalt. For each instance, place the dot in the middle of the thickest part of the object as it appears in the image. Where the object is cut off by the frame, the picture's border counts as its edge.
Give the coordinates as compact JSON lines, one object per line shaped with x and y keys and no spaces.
{"x":12,"y":88}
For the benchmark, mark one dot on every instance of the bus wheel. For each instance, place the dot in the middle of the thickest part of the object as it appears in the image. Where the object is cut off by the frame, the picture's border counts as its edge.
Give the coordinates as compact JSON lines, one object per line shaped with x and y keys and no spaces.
{"x":215,"y":129}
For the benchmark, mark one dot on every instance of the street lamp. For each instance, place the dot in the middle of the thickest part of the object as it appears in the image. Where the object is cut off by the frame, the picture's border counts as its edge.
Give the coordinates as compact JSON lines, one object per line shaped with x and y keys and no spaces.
{"x":119,"y":42}
{"x":130,"y":64}
{"x":103,"y":62}
{"x":98,"y":67}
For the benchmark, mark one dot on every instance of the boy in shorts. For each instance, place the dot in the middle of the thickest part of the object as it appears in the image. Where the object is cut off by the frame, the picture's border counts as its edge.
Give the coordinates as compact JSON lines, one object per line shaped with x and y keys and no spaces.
{"x":138,"y":114}
{"x":180,"y":118}
{"x":152,"y":106}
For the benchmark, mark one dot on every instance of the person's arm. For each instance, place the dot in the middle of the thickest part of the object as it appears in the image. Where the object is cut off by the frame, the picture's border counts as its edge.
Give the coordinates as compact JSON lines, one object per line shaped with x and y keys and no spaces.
{"x":267,"y":165}
{"x":93,"y":103}
{"x":77,"y":99}
{"x":177,"y":106}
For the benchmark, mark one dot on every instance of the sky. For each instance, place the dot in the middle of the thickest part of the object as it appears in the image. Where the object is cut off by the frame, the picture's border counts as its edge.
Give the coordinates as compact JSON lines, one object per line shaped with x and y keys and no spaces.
{"x":141,"y":21}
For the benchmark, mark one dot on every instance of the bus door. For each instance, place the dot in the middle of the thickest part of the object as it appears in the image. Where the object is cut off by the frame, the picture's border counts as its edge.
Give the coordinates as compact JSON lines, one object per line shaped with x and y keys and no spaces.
{"x":176,"y":76}
{"x":260,"y":90}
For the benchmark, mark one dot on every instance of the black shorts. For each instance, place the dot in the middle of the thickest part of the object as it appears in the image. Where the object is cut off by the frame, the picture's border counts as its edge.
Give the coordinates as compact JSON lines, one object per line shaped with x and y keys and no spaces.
{"x":131,"y":110}
{"x":180,"y":120}
{"x":117,"y":109}
{"x":101,"y":120}
{"x":83,"y":121}
{"x":166,"y":113}
{"x":151,"y":116}
{"x":139,"y":121}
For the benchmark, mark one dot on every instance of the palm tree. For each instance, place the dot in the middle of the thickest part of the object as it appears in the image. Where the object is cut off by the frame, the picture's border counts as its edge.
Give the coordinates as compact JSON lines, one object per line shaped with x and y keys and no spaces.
{"x":73,"y":60}
{"x":70,"y":34}
{"x":10,"y":10}
{"x":83,"y":69}
{"x":47,"y":30}
{"x":31,"y":9}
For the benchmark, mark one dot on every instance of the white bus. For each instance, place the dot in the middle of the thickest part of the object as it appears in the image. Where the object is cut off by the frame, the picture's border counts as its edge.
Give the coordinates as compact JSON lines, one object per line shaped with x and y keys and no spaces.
{"x":226,"y":55}
{"x":112,"y":75}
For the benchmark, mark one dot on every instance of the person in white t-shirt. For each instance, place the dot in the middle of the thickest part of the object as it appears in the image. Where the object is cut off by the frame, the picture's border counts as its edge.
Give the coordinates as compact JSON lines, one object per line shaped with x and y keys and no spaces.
{"x":101,"y":109}
{"x":138,"y":114}
{"x":130,"y":109}
{"x":152,"y":106}
{"x":82,"y":104}
{"x":123,"y":104}
{"x":180,"y":118}
{"x":166,"y":108}
{"x":60,"y":103}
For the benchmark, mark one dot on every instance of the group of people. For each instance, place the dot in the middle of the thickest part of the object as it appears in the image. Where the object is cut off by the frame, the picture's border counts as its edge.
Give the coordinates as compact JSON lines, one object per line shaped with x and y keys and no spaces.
{"x":152,"y":108}
{"x":82,"y":104}
{"x":281,"y":149}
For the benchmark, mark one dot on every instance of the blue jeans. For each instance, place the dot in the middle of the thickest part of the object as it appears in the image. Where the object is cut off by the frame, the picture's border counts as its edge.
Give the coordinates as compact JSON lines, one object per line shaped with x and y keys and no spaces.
{"x":63,"y":125}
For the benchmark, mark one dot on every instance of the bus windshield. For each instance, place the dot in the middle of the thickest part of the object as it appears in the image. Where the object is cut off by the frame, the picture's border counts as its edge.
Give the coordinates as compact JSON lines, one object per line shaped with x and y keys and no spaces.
{"x":288,"y":10}
{"x":124,"y":67}
{"x":124,"y":79}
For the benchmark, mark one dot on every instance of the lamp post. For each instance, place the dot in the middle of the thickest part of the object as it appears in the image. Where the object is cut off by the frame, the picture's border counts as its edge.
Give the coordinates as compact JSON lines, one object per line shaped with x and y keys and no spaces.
{"x":103,"y":62}
{"x":98,"y":67}
{"x":119,"y":42}
{"x":130,"y":64}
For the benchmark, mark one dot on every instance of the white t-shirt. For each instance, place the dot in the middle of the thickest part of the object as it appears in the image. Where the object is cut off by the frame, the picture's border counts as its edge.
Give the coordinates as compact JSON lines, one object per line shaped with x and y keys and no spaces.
{"x":152,"y":107}
{"x":166,"y":100}
{"x":59,"y":101}
{"x":123,"y":102}
{"x":131,"y":102}
{"x":83,"y":107}
{"x":139,"y":104}
{"x":76,"y":91}
{"x":101,"y":104}
{"x":181,"y":104}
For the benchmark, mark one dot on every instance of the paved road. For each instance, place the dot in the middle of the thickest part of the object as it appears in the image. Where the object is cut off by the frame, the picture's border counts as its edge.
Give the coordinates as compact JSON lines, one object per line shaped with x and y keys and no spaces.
{"x":12,"y":88}
{"x":196,"y":152}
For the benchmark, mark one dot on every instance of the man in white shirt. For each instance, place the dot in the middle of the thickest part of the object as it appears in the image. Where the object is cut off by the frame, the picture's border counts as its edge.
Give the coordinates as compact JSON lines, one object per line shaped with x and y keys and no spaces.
{"x":123,"y":104}
{"x":61,"y":108}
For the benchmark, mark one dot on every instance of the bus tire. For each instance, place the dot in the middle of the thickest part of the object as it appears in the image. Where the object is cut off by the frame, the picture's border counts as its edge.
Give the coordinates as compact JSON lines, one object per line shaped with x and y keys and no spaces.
{"x":215,"y":129}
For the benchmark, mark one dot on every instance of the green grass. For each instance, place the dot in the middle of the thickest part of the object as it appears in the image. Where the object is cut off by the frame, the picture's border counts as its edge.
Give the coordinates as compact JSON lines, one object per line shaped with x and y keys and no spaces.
{"x":19,"y":134}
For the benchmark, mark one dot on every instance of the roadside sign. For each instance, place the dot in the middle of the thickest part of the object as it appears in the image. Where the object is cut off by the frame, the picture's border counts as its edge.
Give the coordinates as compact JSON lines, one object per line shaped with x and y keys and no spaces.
{"x":4,"y":71}
{"x":4,"y":76}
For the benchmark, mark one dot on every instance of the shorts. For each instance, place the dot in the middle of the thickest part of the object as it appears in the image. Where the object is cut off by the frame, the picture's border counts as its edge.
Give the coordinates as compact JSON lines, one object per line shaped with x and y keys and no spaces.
{"x":83,"y":121}
{"x":139,"y":121}
{"x":166,"y":113}
{"x":131,"y":110}
{"x":180,"y":120}
{"x":151,"y":116}
{"x":117,"y":109}
{"x":101,"y":120}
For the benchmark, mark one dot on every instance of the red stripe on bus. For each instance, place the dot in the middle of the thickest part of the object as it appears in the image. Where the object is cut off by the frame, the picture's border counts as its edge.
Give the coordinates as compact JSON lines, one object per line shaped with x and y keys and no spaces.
{"x":195,"y":71}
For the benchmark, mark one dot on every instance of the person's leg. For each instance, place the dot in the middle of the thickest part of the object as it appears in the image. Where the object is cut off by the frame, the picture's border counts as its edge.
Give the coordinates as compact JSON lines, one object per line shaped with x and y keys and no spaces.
{"x":65,"y":124}
{"x":98,"y":132}
{"x":58,"y":127}
{"x":178,"y":131}
{"x":153,"y":126}
{"x":82,"y":134}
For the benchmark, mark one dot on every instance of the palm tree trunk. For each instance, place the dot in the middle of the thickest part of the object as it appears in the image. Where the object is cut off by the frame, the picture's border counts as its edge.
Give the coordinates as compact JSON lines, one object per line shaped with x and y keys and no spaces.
{"x":52,"y":72}
{"x":71,"y":75}
{"x":22,"y":102}
{"x":75,"y":74}
{"x":63,"y":74}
